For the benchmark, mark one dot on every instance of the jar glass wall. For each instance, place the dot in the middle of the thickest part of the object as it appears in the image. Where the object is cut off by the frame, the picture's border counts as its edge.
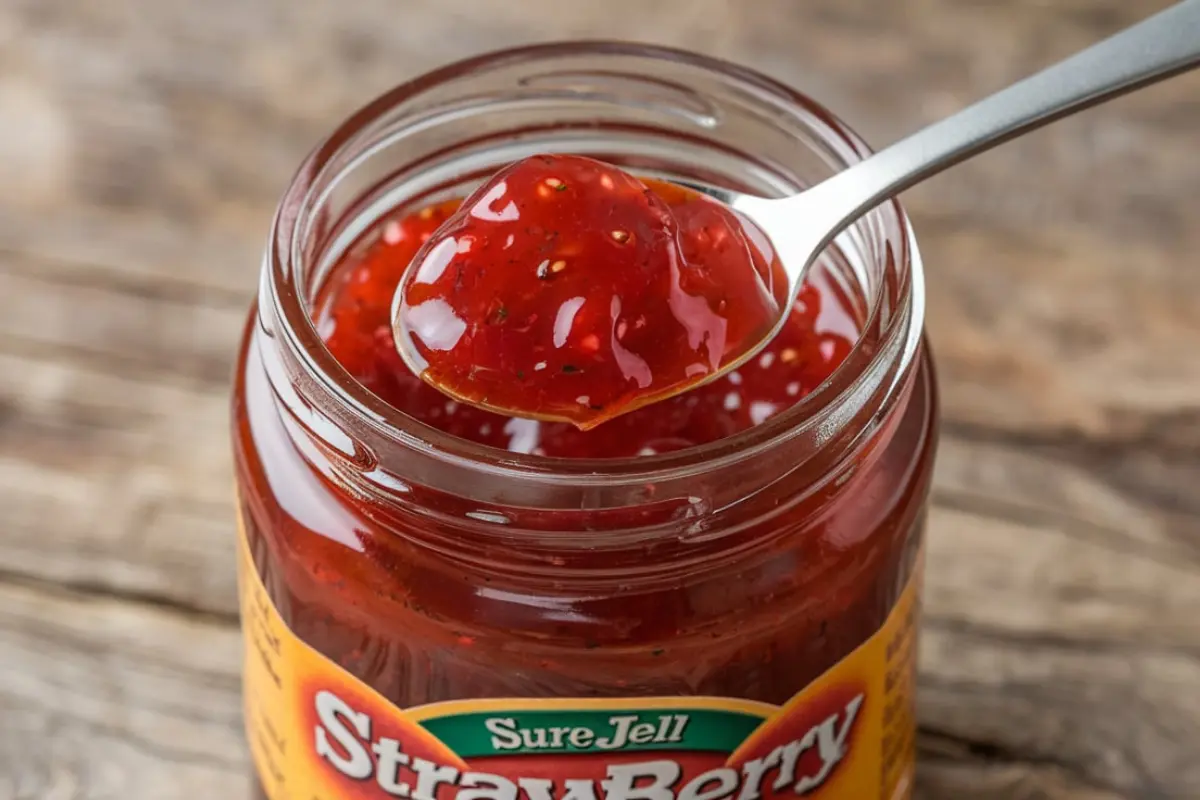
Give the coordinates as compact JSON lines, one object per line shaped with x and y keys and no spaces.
{"x":433,"y":569}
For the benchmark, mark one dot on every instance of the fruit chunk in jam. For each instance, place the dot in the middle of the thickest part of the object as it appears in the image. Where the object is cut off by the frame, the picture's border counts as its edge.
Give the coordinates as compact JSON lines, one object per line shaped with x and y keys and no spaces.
{"x":354,"y":318}
{"x":566,"y":289}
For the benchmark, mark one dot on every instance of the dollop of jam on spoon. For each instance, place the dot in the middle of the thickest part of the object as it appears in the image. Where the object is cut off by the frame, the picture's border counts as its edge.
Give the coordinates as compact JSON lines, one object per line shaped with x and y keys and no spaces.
{"x":566,"y":289}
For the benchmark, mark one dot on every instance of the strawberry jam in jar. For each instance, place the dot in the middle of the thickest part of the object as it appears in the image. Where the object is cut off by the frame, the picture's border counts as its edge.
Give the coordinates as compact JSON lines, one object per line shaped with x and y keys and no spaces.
{"x":711,"y":597}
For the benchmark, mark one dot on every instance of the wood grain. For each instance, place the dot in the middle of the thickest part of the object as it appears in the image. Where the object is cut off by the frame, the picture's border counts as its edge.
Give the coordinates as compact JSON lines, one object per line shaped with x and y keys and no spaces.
{"x":143,"y":146}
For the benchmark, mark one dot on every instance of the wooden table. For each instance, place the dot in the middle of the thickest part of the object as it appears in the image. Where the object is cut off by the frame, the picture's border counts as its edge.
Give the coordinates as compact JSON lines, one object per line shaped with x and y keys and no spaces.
{"x":143,"y":144}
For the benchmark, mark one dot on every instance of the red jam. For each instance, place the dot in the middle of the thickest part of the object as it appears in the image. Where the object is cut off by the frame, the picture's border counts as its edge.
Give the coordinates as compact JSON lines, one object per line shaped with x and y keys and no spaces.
{"x":431,"y":613}
{"x":566,"y":289}
{"x":354,"y":318}
{"x":758,"y":579}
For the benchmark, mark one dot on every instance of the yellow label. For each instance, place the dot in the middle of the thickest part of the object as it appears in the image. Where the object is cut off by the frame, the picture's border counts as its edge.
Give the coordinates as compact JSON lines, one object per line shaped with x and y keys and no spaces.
{"x":318,"y":733}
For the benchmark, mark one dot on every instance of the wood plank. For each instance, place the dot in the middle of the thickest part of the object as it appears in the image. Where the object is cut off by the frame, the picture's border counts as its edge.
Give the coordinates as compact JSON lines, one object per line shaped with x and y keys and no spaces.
{"x":115,"y":481}
{"x":104,"y":699}
{"x":1019,"y":579}
{"x":1122,"y":721}
{"x":160,"y":334}
{"x":1052,"y":334}
{"x":1130,"y":501}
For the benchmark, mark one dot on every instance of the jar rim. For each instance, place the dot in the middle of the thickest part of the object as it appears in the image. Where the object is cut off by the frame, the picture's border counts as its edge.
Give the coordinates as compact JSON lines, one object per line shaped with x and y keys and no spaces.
{"x":298,"y":329}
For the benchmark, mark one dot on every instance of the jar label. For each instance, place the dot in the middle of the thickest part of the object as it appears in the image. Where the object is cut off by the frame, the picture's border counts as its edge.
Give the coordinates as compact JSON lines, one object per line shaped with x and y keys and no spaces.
{"x":318,"y":733}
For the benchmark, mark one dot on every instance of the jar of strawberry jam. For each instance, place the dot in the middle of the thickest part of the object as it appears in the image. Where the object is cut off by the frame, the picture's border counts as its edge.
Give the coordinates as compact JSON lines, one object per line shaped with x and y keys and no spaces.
{"x":713,"y":597}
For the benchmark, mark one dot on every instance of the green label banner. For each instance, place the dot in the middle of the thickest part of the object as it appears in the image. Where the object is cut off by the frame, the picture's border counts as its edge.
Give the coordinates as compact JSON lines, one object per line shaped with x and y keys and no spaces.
{"x":586,"y":731}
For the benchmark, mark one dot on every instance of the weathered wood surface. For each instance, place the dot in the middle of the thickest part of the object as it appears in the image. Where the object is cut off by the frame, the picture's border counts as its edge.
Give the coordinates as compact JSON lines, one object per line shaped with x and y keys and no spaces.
{"x":143,"y":144}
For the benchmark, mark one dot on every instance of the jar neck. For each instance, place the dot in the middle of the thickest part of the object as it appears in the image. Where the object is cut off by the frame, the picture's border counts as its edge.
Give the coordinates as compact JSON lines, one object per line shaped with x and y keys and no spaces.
{"x":649,"y":110}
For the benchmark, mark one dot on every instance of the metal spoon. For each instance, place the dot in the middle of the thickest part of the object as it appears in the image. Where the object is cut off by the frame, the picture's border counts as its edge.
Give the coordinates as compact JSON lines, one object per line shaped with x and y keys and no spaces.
{"x":803,"y":225}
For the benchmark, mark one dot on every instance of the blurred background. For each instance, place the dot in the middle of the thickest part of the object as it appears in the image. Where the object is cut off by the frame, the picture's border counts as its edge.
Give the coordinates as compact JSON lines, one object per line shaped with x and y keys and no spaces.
{"x":144,"y":144}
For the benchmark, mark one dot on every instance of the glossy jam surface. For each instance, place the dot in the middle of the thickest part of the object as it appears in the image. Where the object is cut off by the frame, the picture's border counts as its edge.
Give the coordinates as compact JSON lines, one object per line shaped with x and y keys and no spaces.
{"x":566,"y":289}
{"x":354,"y":318}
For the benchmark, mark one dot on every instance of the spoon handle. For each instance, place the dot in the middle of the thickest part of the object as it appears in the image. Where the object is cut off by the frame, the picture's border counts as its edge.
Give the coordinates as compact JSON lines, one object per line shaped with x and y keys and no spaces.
{"x":1160,"y":47}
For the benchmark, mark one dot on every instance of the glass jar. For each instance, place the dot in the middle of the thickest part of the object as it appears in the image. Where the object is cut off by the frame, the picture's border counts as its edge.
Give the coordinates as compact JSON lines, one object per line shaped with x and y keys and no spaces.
{"x":414,"y":602}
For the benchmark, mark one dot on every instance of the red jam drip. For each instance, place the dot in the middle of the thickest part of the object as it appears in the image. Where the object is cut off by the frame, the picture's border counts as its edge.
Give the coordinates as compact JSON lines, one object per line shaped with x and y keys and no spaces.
{"x":565,"y":289}
{"x":354,"y":318}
